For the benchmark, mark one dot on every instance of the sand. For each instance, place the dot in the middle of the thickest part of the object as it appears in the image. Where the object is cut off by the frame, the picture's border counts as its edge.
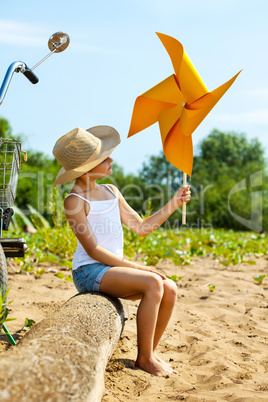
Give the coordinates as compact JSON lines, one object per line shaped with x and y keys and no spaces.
{"x":217,"y":341}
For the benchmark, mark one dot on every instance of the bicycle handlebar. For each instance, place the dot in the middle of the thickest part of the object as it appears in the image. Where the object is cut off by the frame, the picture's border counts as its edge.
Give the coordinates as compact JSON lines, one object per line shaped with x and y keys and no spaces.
{"x":30,"y":75}
{"x":57,"y":43}
{"x":17,"y":66}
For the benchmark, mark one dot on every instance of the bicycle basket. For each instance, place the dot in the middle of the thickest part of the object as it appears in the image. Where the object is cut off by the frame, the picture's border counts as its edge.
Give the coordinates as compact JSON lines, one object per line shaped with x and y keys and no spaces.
{"x":10,"y":163}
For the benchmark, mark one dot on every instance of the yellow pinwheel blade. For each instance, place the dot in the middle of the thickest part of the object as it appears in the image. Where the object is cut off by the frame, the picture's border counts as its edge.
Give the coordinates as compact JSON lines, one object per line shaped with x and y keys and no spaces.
{"x":194,"y":113}
{"x":167,"y":119}
{"x":150,"y":104}
{"x":178,"y":149}
{"x":166,"y":91}
{"x":187,"y":76}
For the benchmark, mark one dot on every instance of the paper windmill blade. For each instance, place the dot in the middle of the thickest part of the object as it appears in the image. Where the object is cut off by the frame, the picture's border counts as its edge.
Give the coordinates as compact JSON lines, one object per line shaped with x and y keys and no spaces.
{"x":179,"y":104}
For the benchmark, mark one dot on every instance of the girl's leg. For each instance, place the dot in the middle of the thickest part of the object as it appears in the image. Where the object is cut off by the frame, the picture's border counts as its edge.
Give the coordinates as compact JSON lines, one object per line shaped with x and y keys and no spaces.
{"x":126,"y":283}
{"x":165,"y":311}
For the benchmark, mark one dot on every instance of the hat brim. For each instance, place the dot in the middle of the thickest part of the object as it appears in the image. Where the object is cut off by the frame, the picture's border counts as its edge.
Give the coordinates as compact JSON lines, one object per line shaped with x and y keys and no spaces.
{"x":64,"y":176}
{"x":109,"y":140}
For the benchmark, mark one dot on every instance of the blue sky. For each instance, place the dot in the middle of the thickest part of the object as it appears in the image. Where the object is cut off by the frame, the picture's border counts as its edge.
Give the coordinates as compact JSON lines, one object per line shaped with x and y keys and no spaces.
{"x":114,"y":56}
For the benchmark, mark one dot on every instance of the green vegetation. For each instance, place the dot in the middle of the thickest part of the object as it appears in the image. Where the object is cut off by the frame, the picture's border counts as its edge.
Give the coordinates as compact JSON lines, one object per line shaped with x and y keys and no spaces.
{"x":259,"y":278}
{"x":211,"y":287}
{"x":229,"y":184}
{"x":175,"y":278}
{"x":3,"y":308}
{"x":28,"y":324}
{"x":57,"y":245}
{"x":226,"y":247}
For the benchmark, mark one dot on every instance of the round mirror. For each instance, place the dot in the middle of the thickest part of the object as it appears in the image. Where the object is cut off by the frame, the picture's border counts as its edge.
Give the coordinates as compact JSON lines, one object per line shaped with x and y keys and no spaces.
{"x":58,"y":42}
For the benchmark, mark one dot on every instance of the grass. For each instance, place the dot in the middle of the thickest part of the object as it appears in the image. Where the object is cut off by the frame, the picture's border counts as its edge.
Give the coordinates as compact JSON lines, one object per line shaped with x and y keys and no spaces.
{"x":259,"y":278}
{"x":181,"y":246}
{"x":57,"y":245}
{"x":3,"y":308}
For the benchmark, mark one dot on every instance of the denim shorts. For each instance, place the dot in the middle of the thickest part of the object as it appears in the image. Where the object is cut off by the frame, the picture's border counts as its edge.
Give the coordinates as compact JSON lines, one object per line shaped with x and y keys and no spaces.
{"x":87,"y":278}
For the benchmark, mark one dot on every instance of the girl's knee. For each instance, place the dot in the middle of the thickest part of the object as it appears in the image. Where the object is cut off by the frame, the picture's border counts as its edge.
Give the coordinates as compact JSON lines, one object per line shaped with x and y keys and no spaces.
{"x":170,"y":291}
{"x":155,"y":285}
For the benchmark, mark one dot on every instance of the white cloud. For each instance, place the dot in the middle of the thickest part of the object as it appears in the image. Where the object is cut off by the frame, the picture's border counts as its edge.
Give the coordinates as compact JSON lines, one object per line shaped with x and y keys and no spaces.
{"x":30,"y":35}
{"x":259,"y":93}
{"x":257,"y":117}
{"x":21,"y":34}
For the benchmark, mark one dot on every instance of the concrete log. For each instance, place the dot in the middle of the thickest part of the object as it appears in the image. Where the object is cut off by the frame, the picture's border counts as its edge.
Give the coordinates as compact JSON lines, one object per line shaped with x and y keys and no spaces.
{"x":63,"y":358}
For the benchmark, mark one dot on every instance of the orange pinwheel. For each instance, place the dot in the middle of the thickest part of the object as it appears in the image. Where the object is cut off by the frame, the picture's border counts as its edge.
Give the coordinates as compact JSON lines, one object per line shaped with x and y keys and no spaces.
{"x":179,"y":104}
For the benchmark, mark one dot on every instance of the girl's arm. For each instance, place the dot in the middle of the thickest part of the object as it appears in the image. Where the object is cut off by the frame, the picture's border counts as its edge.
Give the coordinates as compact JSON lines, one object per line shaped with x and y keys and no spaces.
{"x":74,"y":208}
{"x":147,"y":225}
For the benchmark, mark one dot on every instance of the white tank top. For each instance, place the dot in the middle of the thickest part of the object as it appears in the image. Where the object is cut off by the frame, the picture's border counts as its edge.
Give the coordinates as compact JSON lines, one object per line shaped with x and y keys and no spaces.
{"x":104,"y":221}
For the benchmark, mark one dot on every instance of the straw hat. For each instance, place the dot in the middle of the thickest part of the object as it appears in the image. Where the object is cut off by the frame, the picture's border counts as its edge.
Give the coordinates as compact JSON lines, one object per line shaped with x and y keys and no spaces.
{"x":81,"y":150}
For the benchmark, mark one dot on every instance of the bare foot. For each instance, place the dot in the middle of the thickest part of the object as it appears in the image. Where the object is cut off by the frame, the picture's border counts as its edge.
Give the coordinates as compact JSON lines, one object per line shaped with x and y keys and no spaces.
{"x":154,"y":367}
{"x":165,"y":363}
{"x":161,"y":360}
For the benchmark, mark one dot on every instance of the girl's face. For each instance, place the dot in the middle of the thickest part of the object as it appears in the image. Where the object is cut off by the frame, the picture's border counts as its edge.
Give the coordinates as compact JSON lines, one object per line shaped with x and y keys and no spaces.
{"x":104,"y":169}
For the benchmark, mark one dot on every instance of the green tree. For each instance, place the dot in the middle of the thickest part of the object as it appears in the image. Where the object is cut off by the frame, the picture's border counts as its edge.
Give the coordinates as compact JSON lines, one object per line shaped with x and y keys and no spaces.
{"x":230,"y":150}
{"x":35,"y":183}
{"x":223,"y":160}
{"x":159,"y":171}
{"x":5,"y":129}
{"x":36,"y":178}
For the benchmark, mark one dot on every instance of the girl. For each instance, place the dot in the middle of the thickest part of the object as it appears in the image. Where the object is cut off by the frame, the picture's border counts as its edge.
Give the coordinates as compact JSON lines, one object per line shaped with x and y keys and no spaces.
{"x":95,"y":213}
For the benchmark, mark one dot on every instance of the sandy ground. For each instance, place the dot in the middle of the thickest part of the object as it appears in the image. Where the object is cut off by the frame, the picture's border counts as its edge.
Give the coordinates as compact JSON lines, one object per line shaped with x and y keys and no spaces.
{"x":217,"y":341}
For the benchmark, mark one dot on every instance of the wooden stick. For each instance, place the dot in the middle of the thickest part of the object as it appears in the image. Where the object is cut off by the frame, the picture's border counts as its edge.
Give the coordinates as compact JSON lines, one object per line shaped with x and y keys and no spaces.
{"x":184,"y":203}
